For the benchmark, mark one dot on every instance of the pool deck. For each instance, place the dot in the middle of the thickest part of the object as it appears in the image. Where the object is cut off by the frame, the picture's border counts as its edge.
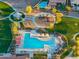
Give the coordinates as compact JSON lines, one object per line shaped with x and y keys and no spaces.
{"x":27,"y":46}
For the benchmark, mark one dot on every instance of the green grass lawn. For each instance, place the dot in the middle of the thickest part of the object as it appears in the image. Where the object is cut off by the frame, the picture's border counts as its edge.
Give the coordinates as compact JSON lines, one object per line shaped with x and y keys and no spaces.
{"x":5,"y":35}
{"x":5,"y":27}
{"x":69,"y":26}
{"x":5,"y":10}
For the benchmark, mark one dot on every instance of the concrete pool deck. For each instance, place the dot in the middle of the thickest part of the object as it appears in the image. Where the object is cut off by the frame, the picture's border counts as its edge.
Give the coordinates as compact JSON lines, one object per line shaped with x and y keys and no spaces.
{"x":34,"y":46}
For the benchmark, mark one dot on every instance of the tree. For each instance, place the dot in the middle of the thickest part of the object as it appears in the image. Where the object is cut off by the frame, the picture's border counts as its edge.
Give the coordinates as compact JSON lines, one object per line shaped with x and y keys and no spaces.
{"x":68,"y":5}
{"x":54,"y":10}
{"x":68,"y":9}
{"x":29,"y":9}
{"x":76,"y":51}
{"x":50,"y":28}
{"x":59,"y":16}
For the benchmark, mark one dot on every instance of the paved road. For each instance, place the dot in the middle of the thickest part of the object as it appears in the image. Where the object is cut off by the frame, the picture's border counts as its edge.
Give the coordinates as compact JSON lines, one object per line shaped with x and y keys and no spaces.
{"x":21,"y":4}
{"x":73,"y":14}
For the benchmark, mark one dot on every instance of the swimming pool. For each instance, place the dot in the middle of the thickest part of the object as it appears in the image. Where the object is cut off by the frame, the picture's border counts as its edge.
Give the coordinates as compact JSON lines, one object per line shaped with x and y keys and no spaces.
{"x":43,"y":4}
{"x":30,"y":42}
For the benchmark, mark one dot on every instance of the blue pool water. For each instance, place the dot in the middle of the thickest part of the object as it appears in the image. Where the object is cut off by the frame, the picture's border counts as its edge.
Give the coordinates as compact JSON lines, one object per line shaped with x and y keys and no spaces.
{"x":43,"y":4}
{"x":35,"y":43}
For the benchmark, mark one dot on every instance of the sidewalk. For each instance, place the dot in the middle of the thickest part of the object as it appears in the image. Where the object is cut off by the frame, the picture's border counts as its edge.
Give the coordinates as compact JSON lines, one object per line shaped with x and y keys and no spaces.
{"x":72,"y":14}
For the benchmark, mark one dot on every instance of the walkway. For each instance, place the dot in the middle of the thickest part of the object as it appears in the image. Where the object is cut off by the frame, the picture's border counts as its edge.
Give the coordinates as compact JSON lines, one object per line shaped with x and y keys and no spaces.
{"x":72,"y":14}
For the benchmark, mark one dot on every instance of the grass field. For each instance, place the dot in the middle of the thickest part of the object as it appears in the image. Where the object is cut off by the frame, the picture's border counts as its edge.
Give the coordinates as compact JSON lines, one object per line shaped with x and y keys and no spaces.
{"x":5,"y":35}
{"x":5,"y":10}
{"x":5,"y":27}
{"x":69,"y":26}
